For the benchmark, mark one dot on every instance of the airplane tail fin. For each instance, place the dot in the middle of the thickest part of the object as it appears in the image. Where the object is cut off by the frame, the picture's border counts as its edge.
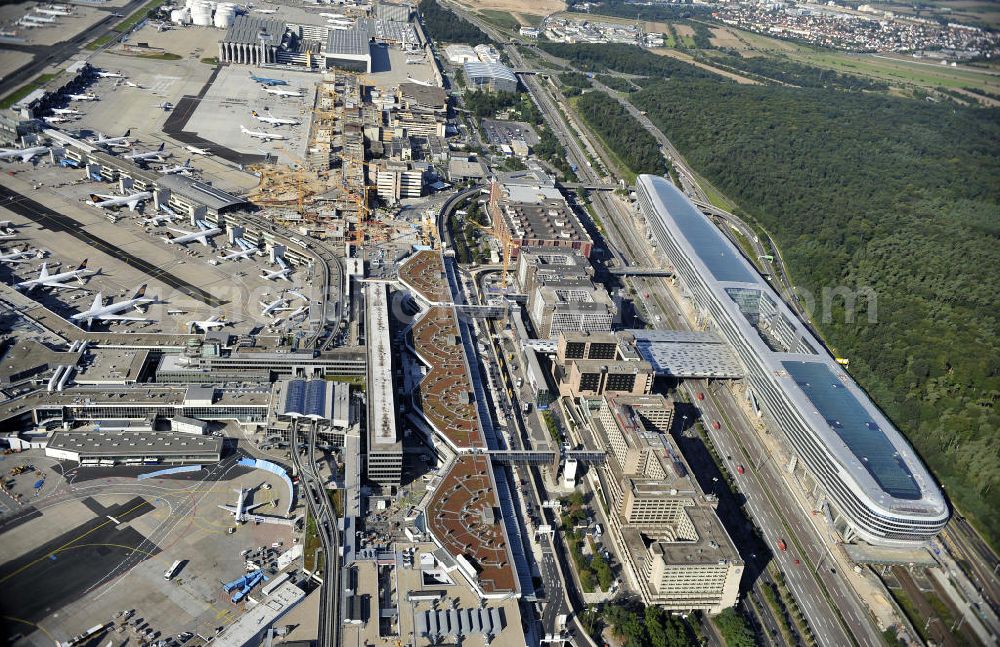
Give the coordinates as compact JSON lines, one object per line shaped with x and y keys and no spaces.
{"x":127,"y":133}
{"x":83,"y":265}
{"x":162,"y":145}
{"x":140,"y":292}
{"x":253,"y":113}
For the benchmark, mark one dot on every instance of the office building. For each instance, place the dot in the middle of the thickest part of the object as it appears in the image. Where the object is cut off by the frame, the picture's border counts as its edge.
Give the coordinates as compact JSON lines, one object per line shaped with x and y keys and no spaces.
{"x":878,"y":489}
{"x":590,"y":365}
{"x":677,"y":553}
{"x":570,"y":305}
{"x":549,"y":263}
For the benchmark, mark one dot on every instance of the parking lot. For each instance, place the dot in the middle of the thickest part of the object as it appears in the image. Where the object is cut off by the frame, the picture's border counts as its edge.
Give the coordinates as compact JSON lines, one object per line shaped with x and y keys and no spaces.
{"x":499,"y":133}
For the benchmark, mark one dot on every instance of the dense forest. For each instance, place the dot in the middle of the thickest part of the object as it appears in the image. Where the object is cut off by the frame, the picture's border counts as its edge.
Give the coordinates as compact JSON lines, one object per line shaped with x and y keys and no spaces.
{"x":792,"y":73}
{"x":444,"y":26}
{"x":865,"y":190}
{"x":593,"y":57}
{"x":620,"y":131}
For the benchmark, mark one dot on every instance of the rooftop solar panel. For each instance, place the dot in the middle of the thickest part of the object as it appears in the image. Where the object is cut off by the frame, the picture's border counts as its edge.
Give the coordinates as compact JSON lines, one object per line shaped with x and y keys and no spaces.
{"x":295,"y":396}
{"x":315,"y":398}
{"x":853,"y":424}
{"x":712,"y":247}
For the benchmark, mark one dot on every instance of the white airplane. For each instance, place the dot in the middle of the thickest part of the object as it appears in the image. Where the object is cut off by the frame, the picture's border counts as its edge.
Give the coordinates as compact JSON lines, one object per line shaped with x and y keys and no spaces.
{"x":133,"y":84}
{"x":82,"y":97}
{"x":52,"y":12}
{"x":113,"y":141}
{"x":158,"y":220}
{"x":148,"y":155}
{"x":275,"y":121}
{"x":56,"y":120}
{"x":186,"y":237}
{"x":42,"y":19}
{"x":419,"y":82}
{"x":295,"y":313}
{"x":198,"y":151}
{"x":55,"y":280}
{"x":276,"y":274}
{"x":278,"y":92}
{"x":16,"y":256}
{"x":184,"y":169}
{"x":274,"y":306}
{"x":110,"y":201}
{"x":215,"y":321}
{"x":111,"y":75}
{"x":110,"y":312}
{"x":26,"y":154}
{"x":66,"y":111}
{"x":237,"y":255}
{"x":265,"y":10}
{"x":261,"y":135}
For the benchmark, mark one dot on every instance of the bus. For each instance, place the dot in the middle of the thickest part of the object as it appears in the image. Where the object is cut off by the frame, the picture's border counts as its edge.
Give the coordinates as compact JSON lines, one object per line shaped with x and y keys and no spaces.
{"x":170,"y":572}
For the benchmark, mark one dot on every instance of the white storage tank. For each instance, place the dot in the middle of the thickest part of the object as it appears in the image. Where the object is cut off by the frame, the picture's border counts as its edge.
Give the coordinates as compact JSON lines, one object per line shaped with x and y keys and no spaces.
{"x":201,"y":14}
{"x":224,"y":14}
{"x":180,"y":16}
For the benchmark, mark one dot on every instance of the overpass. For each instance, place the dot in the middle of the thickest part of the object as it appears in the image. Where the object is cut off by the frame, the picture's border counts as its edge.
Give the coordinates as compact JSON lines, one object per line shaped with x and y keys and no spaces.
{"x":542,"y":457}
{"x":635,"y":270}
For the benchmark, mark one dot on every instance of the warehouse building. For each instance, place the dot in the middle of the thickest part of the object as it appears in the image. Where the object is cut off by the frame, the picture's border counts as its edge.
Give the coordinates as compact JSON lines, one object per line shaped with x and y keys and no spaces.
{"x":349,"y":50}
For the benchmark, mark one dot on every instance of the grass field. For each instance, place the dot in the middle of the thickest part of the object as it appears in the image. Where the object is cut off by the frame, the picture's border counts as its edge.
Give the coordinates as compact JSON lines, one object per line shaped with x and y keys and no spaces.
{"x":25,"y":90}
{"x":501,"y":19}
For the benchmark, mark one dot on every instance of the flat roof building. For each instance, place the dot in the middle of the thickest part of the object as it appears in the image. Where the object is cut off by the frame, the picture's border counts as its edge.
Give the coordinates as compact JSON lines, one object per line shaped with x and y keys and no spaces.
{"x":348,"y":49}
{"x":677,"y":552}
{"x":385,"y":448}
{"x":570,"y":305}
{"x":878,"y":488}
{"x":528,"y":210}
{"x":133,"y":447}
{"x":593,"y":364}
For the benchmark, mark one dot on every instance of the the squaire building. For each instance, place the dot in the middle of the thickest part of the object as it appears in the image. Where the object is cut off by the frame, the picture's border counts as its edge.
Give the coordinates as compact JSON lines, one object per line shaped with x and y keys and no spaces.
{"x":878,"y":488}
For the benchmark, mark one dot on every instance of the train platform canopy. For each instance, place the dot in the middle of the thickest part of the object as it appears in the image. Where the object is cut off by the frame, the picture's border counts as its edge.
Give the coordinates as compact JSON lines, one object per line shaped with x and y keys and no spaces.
{"x":682,"y":354}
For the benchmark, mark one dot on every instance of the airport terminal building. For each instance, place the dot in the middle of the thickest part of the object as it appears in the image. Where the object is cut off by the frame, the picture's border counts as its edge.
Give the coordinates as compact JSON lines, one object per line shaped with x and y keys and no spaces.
{"x":877,"y":488}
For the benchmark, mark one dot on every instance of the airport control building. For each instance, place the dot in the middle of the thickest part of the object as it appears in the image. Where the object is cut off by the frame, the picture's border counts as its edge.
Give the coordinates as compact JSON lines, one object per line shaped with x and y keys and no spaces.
{"x":876,"y":487}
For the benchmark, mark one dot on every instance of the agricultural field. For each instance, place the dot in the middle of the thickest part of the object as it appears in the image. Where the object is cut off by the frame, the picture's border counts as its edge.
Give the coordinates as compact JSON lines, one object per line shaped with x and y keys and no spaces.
{"x":516,"y":6}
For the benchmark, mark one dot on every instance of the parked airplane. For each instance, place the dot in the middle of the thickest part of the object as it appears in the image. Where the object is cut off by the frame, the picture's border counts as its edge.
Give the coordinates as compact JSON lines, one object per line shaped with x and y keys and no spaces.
{"x":237,"y":255}
{"x":52,"y":12}
{"x":263,"y":80}
{"x":261,"y":135}
{"x":275,"y":121}
{"x":111,"y":75}
{"x":295,"y":313}
{"x":265,"y":10}
{"x":278,"y":92}
{"x":184,"y":169}
{"x":26,"y":154}
{"x":186,"y":237}
{"x":148,"y":155}
{"x":82,"y":97}
{"x":56,"y":120}
{"x":158,"y":220}
{"x":66,"y":111}
{"x":271,"y":308}
{"x":215,"y":321}
{"x":276,"y":274}
{"x":198,"y":151}
{"x":165,"y":106}
{"x":110,"y":201}
{"x":113,"y":141}
{"x":133,"y":84}
{"x":16,"y":256}
{"x":49,"y":20}
{"x":47,"y":280}
{"x":110,"y":312}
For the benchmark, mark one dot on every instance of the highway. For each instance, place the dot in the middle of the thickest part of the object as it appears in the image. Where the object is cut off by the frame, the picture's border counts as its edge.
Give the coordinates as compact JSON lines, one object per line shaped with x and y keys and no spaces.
{"x":777,"y":518}
{"x":319,"y":506}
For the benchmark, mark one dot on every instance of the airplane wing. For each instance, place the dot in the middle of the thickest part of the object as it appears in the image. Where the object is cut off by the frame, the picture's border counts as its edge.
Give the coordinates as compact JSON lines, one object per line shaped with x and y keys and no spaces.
{"x":65,"y":286}
{"x":119,"y":318}
{"x":98,"y":302}
{"x":132,"y":204}
{"x":229,"y":508}
{"x":27,"y":157}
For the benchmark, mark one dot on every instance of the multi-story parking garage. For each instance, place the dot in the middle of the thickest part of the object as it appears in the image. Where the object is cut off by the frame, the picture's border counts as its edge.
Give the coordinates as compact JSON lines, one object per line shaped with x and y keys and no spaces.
{"x":878,"y":488}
